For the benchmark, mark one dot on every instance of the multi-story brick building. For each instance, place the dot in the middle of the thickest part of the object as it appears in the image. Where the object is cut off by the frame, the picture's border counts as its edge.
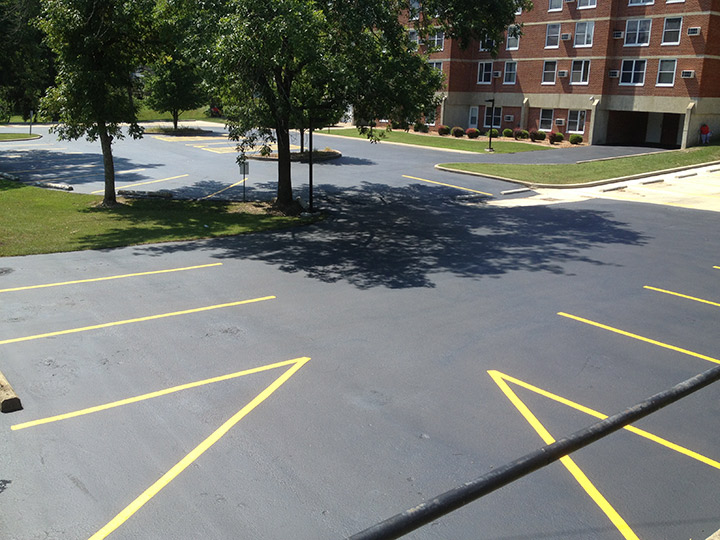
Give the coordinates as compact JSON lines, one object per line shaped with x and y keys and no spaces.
{"x":614,"y":71}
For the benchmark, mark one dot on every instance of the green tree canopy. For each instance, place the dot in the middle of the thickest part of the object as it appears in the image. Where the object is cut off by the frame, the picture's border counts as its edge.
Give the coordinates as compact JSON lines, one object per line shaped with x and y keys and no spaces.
{"x":99,"y":44}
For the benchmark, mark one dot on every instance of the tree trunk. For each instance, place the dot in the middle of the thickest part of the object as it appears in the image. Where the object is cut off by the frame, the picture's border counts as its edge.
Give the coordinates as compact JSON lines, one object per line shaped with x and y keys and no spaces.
{"x":284,"y":193}
{"x":106,"y":143}
{"x":175,"y":115}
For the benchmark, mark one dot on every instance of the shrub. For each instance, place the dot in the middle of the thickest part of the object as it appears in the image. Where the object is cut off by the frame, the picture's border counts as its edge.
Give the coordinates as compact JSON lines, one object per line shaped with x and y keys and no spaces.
{"x":443,"y":130}
{"x":556,"y":137}
{"x":494,"y":132}
{"x":422,"y":127}
{"x":520,"y":134}
{"x":537,"y":135}
{"x":507,"y":132}
{"x":457,"y":131}
{"x":575,"y":138}
{"x":472,"y":133}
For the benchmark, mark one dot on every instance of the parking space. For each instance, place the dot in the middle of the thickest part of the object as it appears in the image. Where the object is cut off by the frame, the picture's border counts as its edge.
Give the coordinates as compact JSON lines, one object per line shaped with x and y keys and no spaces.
{"x":168,"y":390}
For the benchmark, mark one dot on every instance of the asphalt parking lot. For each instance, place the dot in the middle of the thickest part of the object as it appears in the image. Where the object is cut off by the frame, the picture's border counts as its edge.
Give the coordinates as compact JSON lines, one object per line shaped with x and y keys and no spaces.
{"x":311,"y":382}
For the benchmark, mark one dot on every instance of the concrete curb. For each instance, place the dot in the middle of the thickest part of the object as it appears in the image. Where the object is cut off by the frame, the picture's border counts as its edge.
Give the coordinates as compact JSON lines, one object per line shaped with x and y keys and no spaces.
{"x":715,"y":536}
{"x":9,"y":401}
{"x":535,"y":185}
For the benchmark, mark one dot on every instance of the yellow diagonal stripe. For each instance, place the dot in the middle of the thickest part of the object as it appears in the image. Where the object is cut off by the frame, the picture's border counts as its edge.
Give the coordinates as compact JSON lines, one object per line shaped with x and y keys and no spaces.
{"x":143,"y":183}
{"x":567,"y":461}
{"x":199,"y":450}
{"x":150,"y":395}
{"x":224,"y":189}
{"x":28,"y":287}
{"x":681,"y":295}
{"x":130,"y":321}
{"x":447,"y":185}
{"x":640,"y":338}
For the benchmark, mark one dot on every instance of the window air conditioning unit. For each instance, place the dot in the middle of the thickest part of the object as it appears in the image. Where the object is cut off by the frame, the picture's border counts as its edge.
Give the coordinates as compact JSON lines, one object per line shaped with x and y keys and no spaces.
{"x":496,"y":74}
{"x":559,"y":121}
{"x":687,"y":74}
{"x":562,"y":73}
{"x":566,"y":37}
{"x":618,"y":34}
{"x":694,"y":31}
{"x":614,"y":73}
{"x":509,"y":117}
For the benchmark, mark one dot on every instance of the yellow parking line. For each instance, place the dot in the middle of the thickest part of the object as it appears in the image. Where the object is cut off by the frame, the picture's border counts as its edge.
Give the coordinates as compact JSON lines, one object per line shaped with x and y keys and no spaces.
{"x":198,"y":451}
{"x":641,"y":338}
{"x":218,"y":192}
{"x":144,"y":183}
{"x":567,"y":461}
{"x":108,"y":278}
{"x":682,"y":296}
{"x":130,"y":321}
{"x":150,"y":395}
{"x":448,"y":185}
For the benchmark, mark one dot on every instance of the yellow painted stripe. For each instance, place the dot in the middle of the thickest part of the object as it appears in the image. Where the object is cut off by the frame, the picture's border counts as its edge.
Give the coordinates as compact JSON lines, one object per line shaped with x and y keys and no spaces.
{"x":108,"y":278}
{"x":637,"y":431}
{"x":447,"y":185}
{"x":150,"y":395}
{"x":198,"y":451}
{"x":641,"y":338}
{"x":682,"y":295}
{"x":130,"y":321}
{"x":144,"y":183}
{"x":567,"y":461}
{"x":218,"y":192}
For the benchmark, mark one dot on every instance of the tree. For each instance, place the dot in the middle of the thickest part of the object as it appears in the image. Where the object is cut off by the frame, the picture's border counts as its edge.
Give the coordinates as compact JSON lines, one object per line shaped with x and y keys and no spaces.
{"x":99,"y":46}
{"x":276,"y":62}
{"x":175,"y":80}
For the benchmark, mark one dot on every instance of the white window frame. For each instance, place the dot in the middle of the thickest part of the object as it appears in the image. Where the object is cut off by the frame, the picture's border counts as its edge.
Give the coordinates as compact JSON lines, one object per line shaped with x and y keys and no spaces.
{"x":557,"y":7}
{"x":585,"y":34}
{"x":633,"y":28}
{"x":674,"y":70}
{"x":486,"y":41}
{"x":554,"y":36}
{"x":482,"y":70}
{"x":632,"y":71}
{"x":435,"y":65}
{"x":414,"y":37}
{"x":473,"y":113}
{"x":665,"y":31}
{"x":433,"y":39}
{"x":573,"y":122}
{"x":584,"y":72}
{"x":496,"y":119}
{"x":545,"y":71}
{"x":548,"y":121}
{"x":641,"y":2}
{"x":512,"y":43}
{"x":586,"y":4}
{"x":510,"y":69}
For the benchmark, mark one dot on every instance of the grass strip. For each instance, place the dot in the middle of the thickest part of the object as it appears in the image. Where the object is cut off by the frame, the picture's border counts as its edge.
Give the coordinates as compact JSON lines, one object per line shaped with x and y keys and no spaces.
{"x":446,"y":143}
{"x":17,"y":136}
{"x":35,"y":220}
{"x":579,"y":173}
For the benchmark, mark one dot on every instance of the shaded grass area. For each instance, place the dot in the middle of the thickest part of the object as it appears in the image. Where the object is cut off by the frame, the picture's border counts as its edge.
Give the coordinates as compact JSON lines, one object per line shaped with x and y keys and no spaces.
{"x":578,"y":173}
{"x":148,"y":115}
{"x":35,"y":220}
{"x":17,"y":136}
{"x":449,"y":143}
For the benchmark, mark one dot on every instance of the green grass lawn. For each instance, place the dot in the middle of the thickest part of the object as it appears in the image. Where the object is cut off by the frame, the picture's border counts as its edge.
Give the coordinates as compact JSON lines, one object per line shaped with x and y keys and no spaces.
{"x":578,"y":173}
{"x":448,"y":143}
{"x":17,"y":136}
{"x":36,"y":220}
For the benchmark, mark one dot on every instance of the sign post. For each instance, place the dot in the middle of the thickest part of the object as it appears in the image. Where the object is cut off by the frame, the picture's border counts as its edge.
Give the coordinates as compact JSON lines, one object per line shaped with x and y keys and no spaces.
{"x":244,"y":170}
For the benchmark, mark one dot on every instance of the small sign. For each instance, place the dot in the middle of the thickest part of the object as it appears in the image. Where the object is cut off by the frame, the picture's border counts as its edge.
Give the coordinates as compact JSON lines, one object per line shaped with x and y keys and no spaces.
{"x":244,"y":167}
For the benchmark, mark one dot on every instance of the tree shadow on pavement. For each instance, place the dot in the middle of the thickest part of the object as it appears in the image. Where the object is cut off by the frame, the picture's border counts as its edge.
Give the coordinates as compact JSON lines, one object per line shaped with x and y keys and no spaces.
{"x":400,"y":237}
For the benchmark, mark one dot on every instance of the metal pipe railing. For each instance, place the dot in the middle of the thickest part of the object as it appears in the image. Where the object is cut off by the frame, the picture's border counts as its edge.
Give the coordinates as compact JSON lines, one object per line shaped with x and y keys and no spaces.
{"x":422,"y":514}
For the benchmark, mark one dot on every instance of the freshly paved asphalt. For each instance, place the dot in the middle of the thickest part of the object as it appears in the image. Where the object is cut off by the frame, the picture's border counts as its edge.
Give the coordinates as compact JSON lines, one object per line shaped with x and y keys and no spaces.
{"x":403,"y":299}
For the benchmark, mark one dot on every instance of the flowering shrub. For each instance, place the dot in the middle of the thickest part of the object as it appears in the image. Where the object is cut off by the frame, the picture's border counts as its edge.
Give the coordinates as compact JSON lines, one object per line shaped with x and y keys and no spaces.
{"x":472,"y":133}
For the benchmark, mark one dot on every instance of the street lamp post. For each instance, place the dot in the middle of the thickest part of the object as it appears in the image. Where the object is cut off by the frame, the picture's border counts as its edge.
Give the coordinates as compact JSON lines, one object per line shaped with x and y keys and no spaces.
{"x":492,"y":117}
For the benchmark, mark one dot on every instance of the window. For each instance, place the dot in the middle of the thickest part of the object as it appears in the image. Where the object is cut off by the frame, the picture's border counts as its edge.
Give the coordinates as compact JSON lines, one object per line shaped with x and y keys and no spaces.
{"x":436,"y":40}
{"x":633,"y":72}
{"x":430,"y":117}
{"x":637,"y":32}
{"x":487,"y":44}
{"x":513,"y":40}
{"x":584,"y":34}
{"x":549,"y":67}
{"x":510,"y":73}
{"x":414,"y":9}
{"x":552,"y":36}
{"x":473,"y":117}
{"x":413,"y":37}
{"x":519,"y":11}
{"x":586,"y":4}
{"x":436,"y":65}
{"x":546,"y":119}
{"x":492,"y":114}
{"x":485,"y":70}
{"x":666,"y":72}
{"x":580,"y":72}
{"x":576,"y":121}
{"x":641,"y":2}
{"x":671,"y":31}
{"x":555,"y":5}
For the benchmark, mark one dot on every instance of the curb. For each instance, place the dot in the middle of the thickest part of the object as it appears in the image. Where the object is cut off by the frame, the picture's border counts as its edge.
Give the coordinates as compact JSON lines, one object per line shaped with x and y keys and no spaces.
{"x":9,"y":401}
